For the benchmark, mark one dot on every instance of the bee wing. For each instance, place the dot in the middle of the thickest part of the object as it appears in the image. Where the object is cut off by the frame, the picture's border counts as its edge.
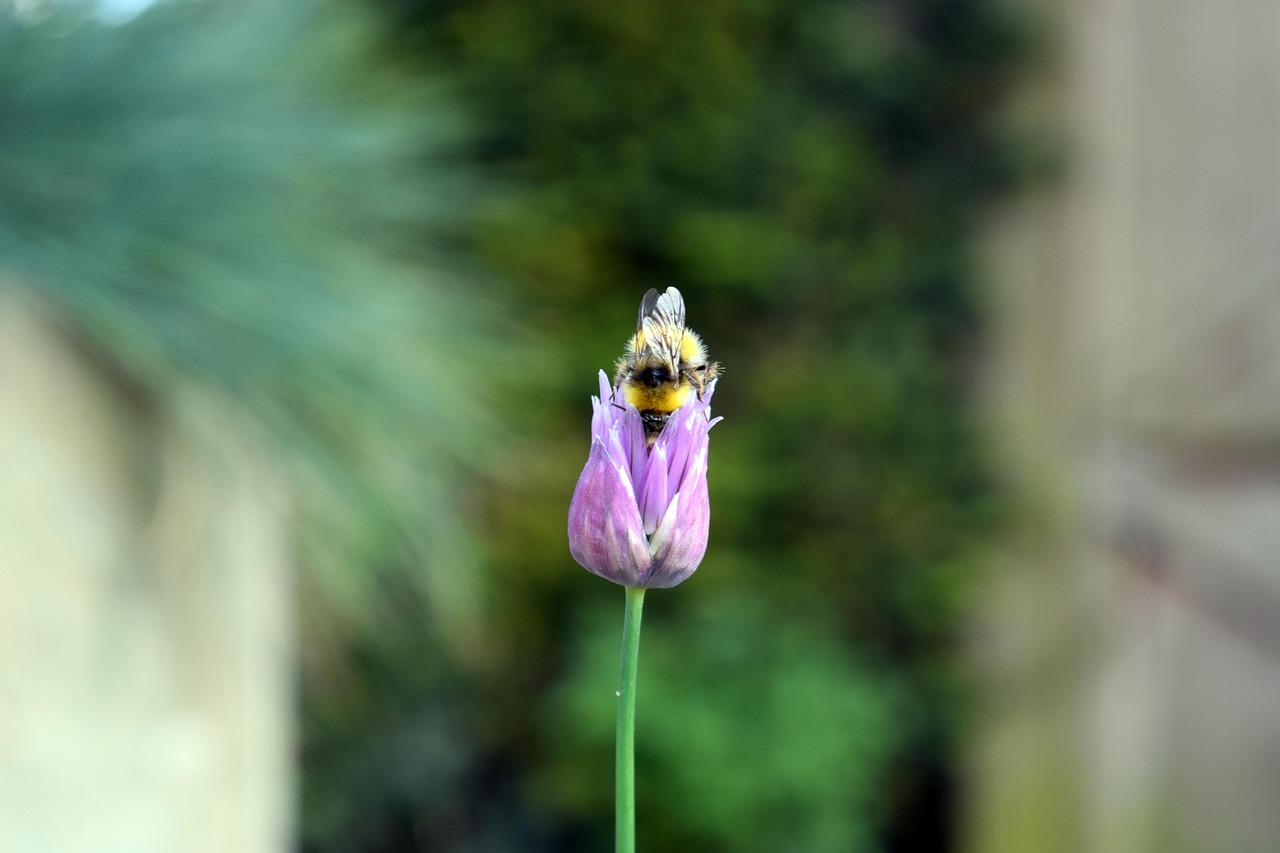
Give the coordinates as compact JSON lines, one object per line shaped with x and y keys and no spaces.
{"x":663,"y":325}
{"x":647,"y":305}
{"x":669,"y":308}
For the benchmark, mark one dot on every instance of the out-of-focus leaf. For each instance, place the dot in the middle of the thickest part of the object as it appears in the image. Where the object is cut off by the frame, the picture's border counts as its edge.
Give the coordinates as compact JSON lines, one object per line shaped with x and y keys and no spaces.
{"x":224,"y":196}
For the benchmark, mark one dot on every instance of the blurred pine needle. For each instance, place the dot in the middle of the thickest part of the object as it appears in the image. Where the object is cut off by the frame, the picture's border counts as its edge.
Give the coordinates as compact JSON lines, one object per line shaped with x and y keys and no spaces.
{"x":228,"y":197}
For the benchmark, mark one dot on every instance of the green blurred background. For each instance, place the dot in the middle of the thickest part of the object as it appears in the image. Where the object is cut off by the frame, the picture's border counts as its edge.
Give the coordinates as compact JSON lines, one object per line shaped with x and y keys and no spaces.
{"x":403,"y":236}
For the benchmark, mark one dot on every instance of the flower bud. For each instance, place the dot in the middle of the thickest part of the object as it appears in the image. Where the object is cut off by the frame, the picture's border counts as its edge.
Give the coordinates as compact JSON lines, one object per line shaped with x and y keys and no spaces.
{"x":640,"y":516}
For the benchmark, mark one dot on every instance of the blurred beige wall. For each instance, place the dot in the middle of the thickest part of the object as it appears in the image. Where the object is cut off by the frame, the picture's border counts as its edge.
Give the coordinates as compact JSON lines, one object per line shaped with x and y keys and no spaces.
{"x":146,"y":688}
{"x":1128,"y":644}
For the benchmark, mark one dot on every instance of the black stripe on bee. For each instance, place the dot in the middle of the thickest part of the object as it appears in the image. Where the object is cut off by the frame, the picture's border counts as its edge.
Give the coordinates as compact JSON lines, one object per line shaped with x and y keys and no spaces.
{"x":653,"y":376}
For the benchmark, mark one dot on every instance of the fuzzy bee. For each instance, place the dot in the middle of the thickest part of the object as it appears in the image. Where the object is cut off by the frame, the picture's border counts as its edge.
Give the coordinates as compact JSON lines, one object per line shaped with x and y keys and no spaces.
{"x":665,"y":364}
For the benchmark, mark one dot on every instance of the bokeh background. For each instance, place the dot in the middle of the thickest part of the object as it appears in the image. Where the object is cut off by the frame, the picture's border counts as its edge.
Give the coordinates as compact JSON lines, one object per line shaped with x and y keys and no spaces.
{"x":301,"y":306}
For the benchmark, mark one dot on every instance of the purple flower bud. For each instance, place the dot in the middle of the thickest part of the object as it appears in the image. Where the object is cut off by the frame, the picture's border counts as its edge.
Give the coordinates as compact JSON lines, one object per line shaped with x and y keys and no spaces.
{"x":640,"y":517}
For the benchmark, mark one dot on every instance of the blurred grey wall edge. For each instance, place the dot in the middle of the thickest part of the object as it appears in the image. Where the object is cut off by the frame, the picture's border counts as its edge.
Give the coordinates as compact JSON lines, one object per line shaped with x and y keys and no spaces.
{"x":146,"y":682}
{"x":1128,"y":643}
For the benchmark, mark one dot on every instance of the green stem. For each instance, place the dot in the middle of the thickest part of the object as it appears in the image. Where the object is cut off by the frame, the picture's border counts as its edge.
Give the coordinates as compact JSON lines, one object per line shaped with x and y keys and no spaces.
{"x":625,"y":757}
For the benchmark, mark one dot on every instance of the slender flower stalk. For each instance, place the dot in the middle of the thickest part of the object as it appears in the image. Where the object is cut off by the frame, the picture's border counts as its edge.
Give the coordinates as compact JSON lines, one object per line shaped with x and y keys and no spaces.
{"x":640,"y":518}
{"x":625,"y":744}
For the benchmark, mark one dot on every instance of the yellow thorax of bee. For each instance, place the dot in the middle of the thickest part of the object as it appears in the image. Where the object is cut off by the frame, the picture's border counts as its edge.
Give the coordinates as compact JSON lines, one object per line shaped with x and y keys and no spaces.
{"x":668,"y":396}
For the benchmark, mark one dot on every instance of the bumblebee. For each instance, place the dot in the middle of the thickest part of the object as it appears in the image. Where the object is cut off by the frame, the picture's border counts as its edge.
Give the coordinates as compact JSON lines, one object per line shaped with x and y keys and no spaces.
{"x":665,"y":364}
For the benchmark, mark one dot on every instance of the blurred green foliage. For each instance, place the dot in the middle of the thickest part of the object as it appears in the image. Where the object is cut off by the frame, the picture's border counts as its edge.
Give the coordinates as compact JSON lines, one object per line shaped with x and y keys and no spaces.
{"x":751,"y":740}
{"x":253,"y":199}
{"x":227,"y":198}
{"x":811,"y":175}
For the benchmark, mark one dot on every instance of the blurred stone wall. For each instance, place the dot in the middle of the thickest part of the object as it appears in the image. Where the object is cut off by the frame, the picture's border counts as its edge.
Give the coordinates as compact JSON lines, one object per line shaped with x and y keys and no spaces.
{"x":146,"y":687}
{"x":1129,"y":642}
